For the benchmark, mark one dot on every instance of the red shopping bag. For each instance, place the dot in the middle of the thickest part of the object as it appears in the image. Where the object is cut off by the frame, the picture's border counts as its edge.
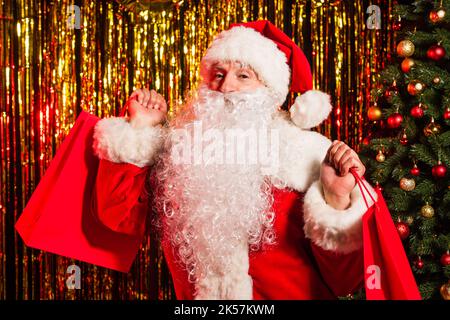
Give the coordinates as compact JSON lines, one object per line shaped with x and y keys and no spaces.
{"x":58,"y":216}
{"x":387,"y":275}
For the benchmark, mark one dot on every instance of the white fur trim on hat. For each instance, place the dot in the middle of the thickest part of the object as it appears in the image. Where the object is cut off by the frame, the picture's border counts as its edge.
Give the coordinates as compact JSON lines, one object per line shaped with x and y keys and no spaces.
{"x":310,"y":109}
{"x":117,"y":141}
{"x":332,"y":229}
{"x":250,"y":47}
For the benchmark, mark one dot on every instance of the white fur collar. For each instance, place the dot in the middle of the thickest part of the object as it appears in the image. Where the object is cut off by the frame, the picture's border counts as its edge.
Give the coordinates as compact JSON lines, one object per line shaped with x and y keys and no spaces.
{"x":301,"y":154}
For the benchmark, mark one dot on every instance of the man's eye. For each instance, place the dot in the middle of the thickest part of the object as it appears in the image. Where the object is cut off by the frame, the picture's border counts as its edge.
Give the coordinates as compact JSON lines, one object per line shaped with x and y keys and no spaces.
{"x":243,"y":76}
{"x":218,"y":76}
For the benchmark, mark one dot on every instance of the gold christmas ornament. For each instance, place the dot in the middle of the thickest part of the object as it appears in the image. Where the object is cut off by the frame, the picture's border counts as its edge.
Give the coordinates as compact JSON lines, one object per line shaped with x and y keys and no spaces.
{"x":445,"y":291}
{"x":415,"y":87}
{"x":440,"y":13}
{"x":410,"y":220}
{"x":436,"y":80}
{"x":427,"y":211}
{"x":432,"y":129}
{"x":405,"y":48}
{"x":407,"y":184}
{"x":374,"y":113}
{"x":380,"y":156}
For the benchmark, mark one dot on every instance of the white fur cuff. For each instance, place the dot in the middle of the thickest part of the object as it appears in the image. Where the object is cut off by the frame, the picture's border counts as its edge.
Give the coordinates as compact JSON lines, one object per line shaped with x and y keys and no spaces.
{"x":332,"y":229}
{"x":117,"y":141}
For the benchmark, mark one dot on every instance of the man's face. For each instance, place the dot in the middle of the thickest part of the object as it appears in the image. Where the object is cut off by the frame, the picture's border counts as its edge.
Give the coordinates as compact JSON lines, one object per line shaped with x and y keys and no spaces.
{"x":229,"y":77}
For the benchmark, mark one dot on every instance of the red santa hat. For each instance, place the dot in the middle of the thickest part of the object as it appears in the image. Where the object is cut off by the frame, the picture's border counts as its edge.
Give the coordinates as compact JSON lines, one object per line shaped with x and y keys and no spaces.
{"x":279,"y":63}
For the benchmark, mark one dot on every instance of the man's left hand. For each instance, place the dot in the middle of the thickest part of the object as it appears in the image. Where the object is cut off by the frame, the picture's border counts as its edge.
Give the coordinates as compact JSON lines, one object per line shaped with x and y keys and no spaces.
{"x":337,"y":181}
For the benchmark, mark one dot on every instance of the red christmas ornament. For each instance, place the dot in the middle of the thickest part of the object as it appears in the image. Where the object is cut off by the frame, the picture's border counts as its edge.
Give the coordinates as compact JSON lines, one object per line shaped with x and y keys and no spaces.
{"x":402,"y":229}
{"x":433,"y":16}
{"x":395,"y":120}
{"x":394,"y":88}
{"x":387,"y":94}
{"x":417,"y":111}
{"x":407,"y":64}
{"x":439,"y":170}
{"x":445,"y":259}
{"x":436,"y":52}
{"x":366,"y":141}
{"x":392,"y":91}
{"x":447,"y":114}
{"x":419,"y":263}
{"x":404,"y":139}
{"x":415,"y":171}
{"x":397,"y":25}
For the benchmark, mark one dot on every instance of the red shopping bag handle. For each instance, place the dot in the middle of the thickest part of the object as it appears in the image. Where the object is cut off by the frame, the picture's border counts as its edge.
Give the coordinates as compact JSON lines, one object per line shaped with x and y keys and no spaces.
{"x":125,"y":107}
{"x":361,"y":185}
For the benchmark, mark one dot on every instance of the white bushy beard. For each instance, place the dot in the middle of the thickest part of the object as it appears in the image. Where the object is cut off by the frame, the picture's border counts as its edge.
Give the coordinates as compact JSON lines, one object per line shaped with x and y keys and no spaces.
{"x":214,"y":214}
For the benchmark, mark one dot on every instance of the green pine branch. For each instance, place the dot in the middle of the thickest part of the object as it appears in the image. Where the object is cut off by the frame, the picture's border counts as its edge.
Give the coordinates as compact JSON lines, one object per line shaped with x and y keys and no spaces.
{"x":423,"y":153}
{"x":424,"y":190}
{"x":446,"y":197}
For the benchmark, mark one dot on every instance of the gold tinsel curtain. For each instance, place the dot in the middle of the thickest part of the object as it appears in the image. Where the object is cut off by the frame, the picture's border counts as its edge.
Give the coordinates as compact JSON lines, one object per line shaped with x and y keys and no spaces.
{"x":51,"y":70}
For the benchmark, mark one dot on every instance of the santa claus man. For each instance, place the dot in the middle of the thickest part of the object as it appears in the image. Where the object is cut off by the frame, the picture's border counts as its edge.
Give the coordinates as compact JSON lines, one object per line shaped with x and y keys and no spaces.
{"x":281,"y":222}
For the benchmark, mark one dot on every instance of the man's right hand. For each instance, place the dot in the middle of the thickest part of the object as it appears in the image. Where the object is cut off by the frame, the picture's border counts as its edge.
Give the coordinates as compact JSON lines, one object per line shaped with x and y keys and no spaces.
{"x":146,"y":108}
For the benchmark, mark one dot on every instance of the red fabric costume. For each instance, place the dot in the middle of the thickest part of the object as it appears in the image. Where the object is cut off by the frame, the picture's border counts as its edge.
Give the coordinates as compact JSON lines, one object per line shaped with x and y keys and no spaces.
{"x":325,"y":264}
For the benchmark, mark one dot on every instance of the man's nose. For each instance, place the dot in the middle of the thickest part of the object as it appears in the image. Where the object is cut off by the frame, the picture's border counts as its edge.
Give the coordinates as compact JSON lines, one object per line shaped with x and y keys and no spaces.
{"x":229,"y":84}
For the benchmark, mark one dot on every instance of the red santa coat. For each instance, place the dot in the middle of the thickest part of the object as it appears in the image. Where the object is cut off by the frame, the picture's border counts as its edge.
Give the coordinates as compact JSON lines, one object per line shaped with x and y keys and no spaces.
{"x":318,"y":252}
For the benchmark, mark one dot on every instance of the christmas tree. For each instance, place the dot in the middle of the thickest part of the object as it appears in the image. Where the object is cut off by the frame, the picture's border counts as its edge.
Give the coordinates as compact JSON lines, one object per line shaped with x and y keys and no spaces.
{"x":407,"y":149}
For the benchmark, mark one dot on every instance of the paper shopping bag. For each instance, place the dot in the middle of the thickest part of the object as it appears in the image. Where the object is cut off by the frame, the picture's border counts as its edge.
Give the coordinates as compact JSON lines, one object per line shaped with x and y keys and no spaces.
{"x":388,"y":275}
{"x":58,"y":216}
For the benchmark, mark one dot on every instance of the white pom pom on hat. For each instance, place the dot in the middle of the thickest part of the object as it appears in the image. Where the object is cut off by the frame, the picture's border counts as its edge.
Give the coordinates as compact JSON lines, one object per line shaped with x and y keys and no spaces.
{"x":278,"y":61}
{"x":310,"y":109}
